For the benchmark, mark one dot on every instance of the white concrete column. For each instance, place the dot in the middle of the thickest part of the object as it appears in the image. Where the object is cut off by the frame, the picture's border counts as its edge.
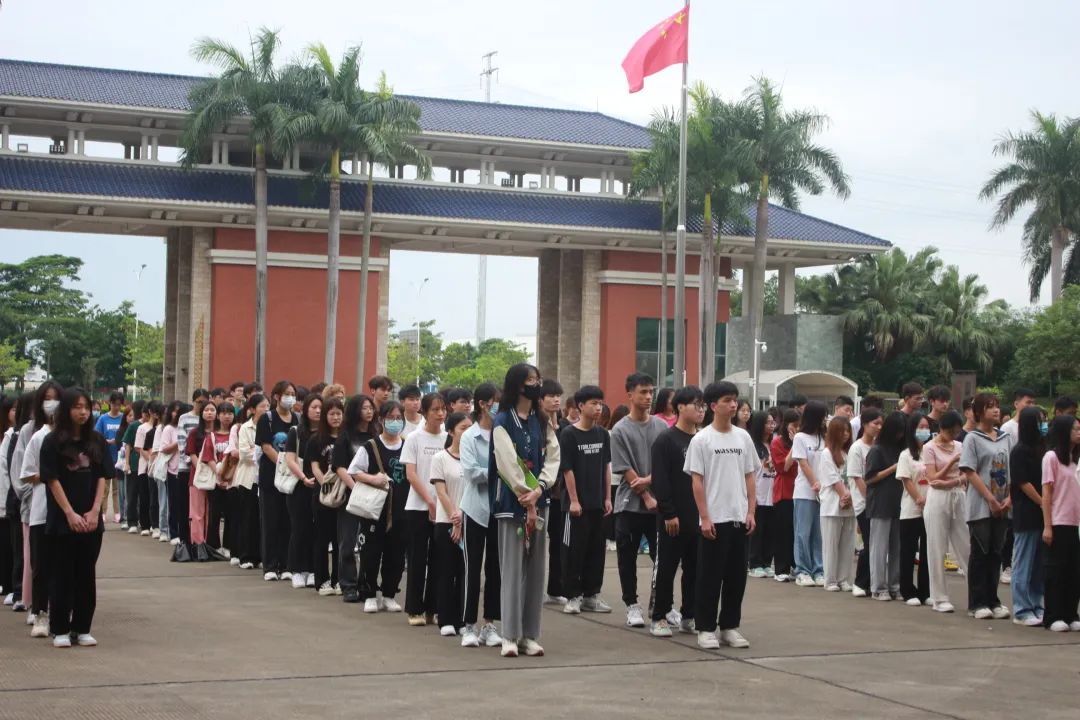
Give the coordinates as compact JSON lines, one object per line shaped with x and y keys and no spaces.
{"x":70,"y":149}
{"x":215,"y":152}
{"x":354,"y":171}
{"x":80,"y":142}
{"x":543,"y":176}
{"x":5,"y":137}
{"x":295,"y":158}
{"x":224,"y":152}
{"x":786,"y":287}
{"x":154,"y":148}
{"x":551,"y":181}
{"x":144,"y":153}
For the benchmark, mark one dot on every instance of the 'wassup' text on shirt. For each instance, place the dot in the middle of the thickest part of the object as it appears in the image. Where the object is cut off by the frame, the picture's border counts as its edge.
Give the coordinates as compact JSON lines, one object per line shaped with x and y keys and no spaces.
{"x":727,"y":451}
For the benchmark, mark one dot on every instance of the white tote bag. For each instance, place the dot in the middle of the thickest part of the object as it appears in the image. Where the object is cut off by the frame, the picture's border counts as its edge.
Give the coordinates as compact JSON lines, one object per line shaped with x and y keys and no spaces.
{"x":205,"y":478}
{"x":284,"y":480}
{"x":367,"y":501}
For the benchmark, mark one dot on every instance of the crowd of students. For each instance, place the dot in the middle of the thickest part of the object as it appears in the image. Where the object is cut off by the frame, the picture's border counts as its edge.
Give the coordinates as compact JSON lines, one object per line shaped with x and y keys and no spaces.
{"x":505,"y":492}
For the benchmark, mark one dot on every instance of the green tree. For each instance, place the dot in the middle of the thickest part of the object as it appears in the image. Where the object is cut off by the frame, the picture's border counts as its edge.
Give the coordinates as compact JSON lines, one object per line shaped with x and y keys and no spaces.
{"x":147,"y":356}
{"x":1043,"y":172}
{"x":33,"y":294}
{"x":12,"y":367}
{"x":1050,"y":349}
{"x":779,"y":144}
{"x":401,"y":360}
{"x":465,"y":365}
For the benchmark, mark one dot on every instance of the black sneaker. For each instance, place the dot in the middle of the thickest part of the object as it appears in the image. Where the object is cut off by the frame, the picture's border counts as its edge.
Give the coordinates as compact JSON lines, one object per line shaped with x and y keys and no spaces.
{"x":351,"y":596}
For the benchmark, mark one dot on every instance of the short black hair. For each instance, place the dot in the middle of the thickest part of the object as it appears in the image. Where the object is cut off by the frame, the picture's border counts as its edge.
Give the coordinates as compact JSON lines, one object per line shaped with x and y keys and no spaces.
{"x":715,"y":391}
{"x":118,"y":396}
{"x":252,"y":388}
{"x":842,"y":400}
{"x":200,"y":393}
{"x":380,"y":382}
{"x":939,"y":392}
{"x":981,"y":402}
{"x":950,"y":420}
{"x":588,"y":392}
{"x":910,"y":389}
{"x":874,"y":401}
{"x":689,"y":395}
{"x":454,"y":394}
{"x":550,"y":387}
{"x":1061,"y":405}
{"x":799,"y":401}
{"x":217,"y":391}
{"x":409,"y":391}
{"x":237,"y":384}
{"x":967,"y":404}
{"x":1023,"y":393}
{"x":639,"y":379}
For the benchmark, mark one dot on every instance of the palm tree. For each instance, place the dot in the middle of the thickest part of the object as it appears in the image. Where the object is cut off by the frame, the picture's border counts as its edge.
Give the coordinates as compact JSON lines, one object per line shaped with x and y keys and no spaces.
{"x":1044,"y":172}
{"x":248,"y":85}
{"x":779,"y":144}
{"x":959,"y":330}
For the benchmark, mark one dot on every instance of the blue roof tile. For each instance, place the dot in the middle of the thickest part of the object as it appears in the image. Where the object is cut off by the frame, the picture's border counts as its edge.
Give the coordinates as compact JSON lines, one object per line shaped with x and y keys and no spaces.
{"x":130,"y":88}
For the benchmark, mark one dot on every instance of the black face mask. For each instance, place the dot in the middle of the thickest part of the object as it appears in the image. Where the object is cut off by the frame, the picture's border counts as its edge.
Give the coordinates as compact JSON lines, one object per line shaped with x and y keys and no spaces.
{"x":532,"y":392}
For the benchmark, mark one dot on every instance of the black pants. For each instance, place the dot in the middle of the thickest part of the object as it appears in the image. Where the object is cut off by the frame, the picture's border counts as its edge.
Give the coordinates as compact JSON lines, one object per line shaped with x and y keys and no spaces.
{"x":248,"y":538}
{"x":302,"y":530}
{"x":984,"y":566}
{"x":420,"y":586}
{"x":40,"y":566}
{"x":784,"y":536}
{"x":721,"y":578}
{"x":1062,"y":576}
{"x":451,"y":580}
{"x":179,"y":522}
{"x":671,"y":553}
{"x":16,"y":541}
{"x":555,"y":524}
{"x":348,"y":528}
{"x":5,"y":554}
{"x":912,"y":540}
{"x":275,"y":524}
{"x":1007,"y":549}
{"x":216,"y":501}
{"x":73,"y":581}
{"x":609,"y":520}
{"x":630,"y":527}
{"x":583,"y":548}
{"x":382,"y":556}
{"x":138,"y":501}
{"x":155,"y":512}
{"x":325,"y":562}
{"x":762,"y":542}
{"x":481,"y":553}
{"x":862,"y":568}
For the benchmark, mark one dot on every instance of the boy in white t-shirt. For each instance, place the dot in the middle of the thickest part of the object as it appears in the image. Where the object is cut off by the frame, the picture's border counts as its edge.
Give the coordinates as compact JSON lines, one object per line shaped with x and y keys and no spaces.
{"x":722,"y":464}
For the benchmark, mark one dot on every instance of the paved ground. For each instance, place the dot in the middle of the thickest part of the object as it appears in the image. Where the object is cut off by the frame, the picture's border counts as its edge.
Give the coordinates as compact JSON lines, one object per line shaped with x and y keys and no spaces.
{"x":202,"y":641}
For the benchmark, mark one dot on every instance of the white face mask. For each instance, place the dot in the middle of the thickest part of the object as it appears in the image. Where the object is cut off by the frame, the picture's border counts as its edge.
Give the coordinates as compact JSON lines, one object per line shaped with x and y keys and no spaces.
{"x":50,"y":407}
{"x":288,"y":401}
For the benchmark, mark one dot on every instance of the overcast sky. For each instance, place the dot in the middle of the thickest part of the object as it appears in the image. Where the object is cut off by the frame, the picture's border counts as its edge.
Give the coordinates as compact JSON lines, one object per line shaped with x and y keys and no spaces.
{"x":917,"y":93}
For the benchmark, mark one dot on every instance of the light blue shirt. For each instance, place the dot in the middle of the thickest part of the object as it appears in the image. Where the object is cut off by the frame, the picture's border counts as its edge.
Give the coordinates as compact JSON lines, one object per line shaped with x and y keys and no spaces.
{"x":475,"y":452}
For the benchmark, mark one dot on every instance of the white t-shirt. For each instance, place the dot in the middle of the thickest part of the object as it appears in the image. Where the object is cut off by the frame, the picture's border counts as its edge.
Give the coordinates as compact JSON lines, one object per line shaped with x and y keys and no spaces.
{"x":831,"y":477}
{"x":723,"y":459}
{"x":763,"y":486}
{"x":30,"y":467}
{"x":140,"y":440}
{"x":906,"y":467}
{"x":856,"y":467}
{"x":447,"y":468}
{"x":361,"y":462}
{"x":1013,"y":428}
{"x":420,"y":447}
{"x":805,"y":447}
{"x":411,"y":427}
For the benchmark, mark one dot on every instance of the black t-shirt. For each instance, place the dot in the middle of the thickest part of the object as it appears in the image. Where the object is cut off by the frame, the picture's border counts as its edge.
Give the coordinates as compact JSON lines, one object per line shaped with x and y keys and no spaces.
{"x":272,"y":430}
{"x":394,"y":469}
{"x":297,"y":442}
{"x":148,"y":443}
{"x":320,"y":452}
{"x":882,"y":497}
{"x":345,"y":449}
{"x":673,"y":488}
{"x":586,"y":453}
{"x":1025,"y":466}
{"x":79,"y":479}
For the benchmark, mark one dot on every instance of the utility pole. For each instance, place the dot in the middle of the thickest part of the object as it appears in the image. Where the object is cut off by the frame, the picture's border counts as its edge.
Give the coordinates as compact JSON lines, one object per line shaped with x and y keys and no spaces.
{"x":481,"y":265}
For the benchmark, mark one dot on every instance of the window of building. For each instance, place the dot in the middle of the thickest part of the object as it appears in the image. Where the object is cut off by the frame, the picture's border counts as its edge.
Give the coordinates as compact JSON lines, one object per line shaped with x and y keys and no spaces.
{"x":647,"y":349}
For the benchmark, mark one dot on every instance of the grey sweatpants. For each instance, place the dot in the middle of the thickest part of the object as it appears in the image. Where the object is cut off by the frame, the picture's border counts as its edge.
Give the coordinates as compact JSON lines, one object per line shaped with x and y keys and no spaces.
{"x":522,"y":589}
{"x":838,"y":548}
{"x":885,"y":555}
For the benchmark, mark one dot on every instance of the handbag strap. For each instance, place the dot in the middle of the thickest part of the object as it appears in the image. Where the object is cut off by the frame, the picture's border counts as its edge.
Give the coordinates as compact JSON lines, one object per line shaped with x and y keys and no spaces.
{"x":378,"y":457}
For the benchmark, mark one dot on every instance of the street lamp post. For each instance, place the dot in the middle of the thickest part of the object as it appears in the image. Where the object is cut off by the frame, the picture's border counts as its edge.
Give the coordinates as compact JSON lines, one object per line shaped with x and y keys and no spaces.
{"x":760,"y":346}
{"x":418,"y":291}
{"x":135,"y":306}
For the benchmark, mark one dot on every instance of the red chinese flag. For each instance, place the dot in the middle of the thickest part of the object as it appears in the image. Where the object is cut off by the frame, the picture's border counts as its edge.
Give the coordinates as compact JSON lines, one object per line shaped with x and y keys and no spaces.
{"x":664,"y":45}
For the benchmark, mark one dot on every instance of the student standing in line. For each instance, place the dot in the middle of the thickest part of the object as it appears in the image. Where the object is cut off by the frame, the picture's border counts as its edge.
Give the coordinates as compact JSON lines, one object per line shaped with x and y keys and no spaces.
{"x":762,"y":541}
{"x":723,"y":464}
{"x":912,"y":398}
{"x":448,"y":480}
{"x":170,"y":447}
{"x":200,"y":448}
{"x":809,"y":570}
{"x":585,"y":452}
{"x":742,"y":415}
{"x":301,"y":519}
{"x":1022,"y":398}
{"x":480,"y":531}
{"x":410,"y":396}
{"x":870,"y":421}
{"x":784,"y":495}
{"x":663,"y":407}
{"x":9,"y":514}
{"x":458,"y":400}
{"x":632,"y":439}
{"x":1064,"y":405}
{"x":142,"y":485}
{"x":939,"y":398}
{"x":271,"y":434}
{"x":357,"y":428}
{"x":108,"y":426}
{"x":1025,"y":471}
{"x":679,"y":535}
{"x":911,"y":471}
{"x":837,"y":514}
{"x":151,"y":444}
{"x":380,"y":389}
{"x":131,"y":441}
{"x":1061,"y":518}
{"x":523,"y":466}
{"x":179,"y":493}
{"x":945,"y":512}
{"x":984,"y":460}
{"x":844,"y":406}
{"x":421,"y":446}
{"x":75,"y":465}
{"x":19,"y":498}
{"x":219,"y":497}
{"x":969,"y":418}
{"x":164,"y":438}
{"x":883,"y":492}
{"x":318,"y":461}
{"x":121,"y":465}
{"x":551,"y":402}
{"x":246,"y":483}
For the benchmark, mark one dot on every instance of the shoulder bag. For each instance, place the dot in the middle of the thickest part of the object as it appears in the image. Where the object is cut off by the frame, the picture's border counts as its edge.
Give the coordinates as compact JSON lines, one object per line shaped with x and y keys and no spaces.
{"x":367,"y":501}
{"x":205,"y":478}
{"x":332,"y":491}
{"x":284,"y":479}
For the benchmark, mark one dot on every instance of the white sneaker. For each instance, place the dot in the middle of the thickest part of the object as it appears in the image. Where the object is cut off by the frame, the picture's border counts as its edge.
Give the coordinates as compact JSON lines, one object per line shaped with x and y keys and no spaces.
{"x":174,"y":541}
{"x":804,"y":580}
{"x":673,"y":617}
{"x":594,"y":604}
{"x":1031,"y":621}
{"x":286,"y":575}
{"x":846,"y":587}
{"x":983,"y":614}
{"x":163,"y":538}
{"x":1001,"y":612}
{"x":447,"y":630}
{"x":858,"y":591}
{"x":634,"y":618}
{"x":769,"y":572}
{"x":124,"y":526}
{"x":9,"y":599}
{"x":572,"y":606}
{"x":782,"y":577}
{"x":86,"y":640}
{"x":145,"y":533}
{"x":371,"y":605}
{"x":1074,"y":626}
{"x":530,"y":647}
{"x":509,"y":648}
{"x":246,"y":566}
{"x":554,"y":600}
{"x":708,"y":641}
{"x":270,"y":577}
{"x":297,"y":580}
{"x":309,"y":580}
{"x":1006,"y":576}
{"x":733,"y":638}
{"x":61,"y":641}
{"x":156,"y":534}
{"x":882,"y":596}
{"x":337,"y":589}
{"x":326,"y":589}
{"x":489,"y":636}
{"x":31,"y":618}
{"x":688,"y":626}
{"x":944,"y":607}
{"x":235,"y":562}
{"x":757,"y":572}
{"x":611,"y":546}
{"x":832,"y":588}
{"x":819,"y":580}
{"x":1059,"y":626}
{"x":19,"y":606}
{"x":391,"y":605}
{"x":913,"y":602}
{"x":41,"y":626}
{"x":660,"y":628}
{"x":469,"y":637}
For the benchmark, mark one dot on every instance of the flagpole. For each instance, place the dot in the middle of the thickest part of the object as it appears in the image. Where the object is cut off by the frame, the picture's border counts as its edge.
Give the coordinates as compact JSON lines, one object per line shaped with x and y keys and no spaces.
{"x":680,"y":249}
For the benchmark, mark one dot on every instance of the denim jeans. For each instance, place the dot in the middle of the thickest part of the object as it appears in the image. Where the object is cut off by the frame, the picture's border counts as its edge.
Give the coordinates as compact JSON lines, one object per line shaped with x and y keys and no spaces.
{"x":808,"y":538}
{"x":121,"y":483}
{"x":1028,"y":575}
{"x":163,"y":506}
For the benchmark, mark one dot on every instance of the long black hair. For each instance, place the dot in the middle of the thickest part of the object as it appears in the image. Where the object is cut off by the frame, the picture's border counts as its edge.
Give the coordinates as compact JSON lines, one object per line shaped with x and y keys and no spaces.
{"x":483,"y":393}
{"x":893,"y":433}
{"x":39,"y":416}
{"x":790,"y":416}
{"x":909,"y":434}
{"x":452,"y":422}
{"x":253,"y":402}
{"x":813,"y":418}
{"x":330,"y":403}
{"x":512,"y":385}
{"x":757,"y":424}
{"x":1060,"y":439}
{"x":304,"y":428}
{"x":663,"y":396}
{"x":350,"y":426}
{"x":24,"y":410}
{"x":201,"y":430}
{"x":6,"y":403}
{"x":1031,"y":438}
{"x":71,"y":439}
